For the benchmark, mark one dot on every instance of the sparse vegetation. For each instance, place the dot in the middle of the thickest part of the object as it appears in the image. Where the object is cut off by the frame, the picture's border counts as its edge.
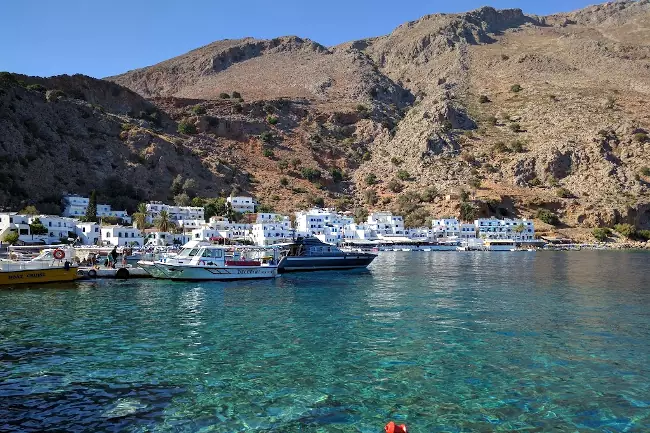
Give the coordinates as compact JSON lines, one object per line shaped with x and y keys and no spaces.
{"x":236,"y":95}
{"x":467,"y":211}
{"x":475,"y":183}
{"x":601,"y":234}
{"x":500,"y":147}
{"x":563,"y":193}
{"x":371,"y":179}
{"x":362,"y":108}
{"x":515,"y":127}
{"x":396,"y":161}
{"x":610,"y":104}
{"x":516,"y":88}
{"x":11,"y":238}
{"x":272,"y":120}
{"x":548,"y":217}
{"x":268,"y":153}
{"x":283,"y":165}
{"x":517,"y":146}
{"x":266,"y":136}
{"x":198,"y":110}
{"x":535,"y":182}
{"x":645,"y":171}
{"x":370,"y":196}
{"x":37,"y":88}
{"x":403,"y":175}
{"x":224,"y":95}
{"x":429,"y":194}
{"x":641,"y":137}
{"x":505,"y":57}
{"x":295,"y":163}
{"x":483,"y":99}
{"x":395,"y":186}
{"x":491,"y":120}
{"x":284,"y":181}
{"x":311,"y":174}
{"x":185,"y":127}
{"x":54,"y":95}
{"x":337,"y":174}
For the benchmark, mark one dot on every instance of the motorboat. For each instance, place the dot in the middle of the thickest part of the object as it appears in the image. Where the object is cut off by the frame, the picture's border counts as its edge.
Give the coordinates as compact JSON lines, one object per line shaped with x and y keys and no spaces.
{"x":311,"y":254}
{"x":52,"y":265}
{"x":204,"y":261}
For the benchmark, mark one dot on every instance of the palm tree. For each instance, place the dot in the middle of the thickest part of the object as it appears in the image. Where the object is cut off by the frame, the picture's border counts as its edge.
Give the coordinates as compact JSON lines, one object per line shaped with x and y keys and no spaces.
{"x":163,"y":223}
{"x":140,"y":217}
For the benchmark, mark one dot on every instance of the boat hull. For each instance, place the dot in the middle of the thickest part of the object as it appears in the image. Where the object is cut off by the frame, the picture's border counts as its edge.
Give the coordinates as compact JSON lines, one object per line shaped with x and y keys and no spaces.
{"x":303,"y":264}
{"x":38,"y":276}
{"x":215,"y":273}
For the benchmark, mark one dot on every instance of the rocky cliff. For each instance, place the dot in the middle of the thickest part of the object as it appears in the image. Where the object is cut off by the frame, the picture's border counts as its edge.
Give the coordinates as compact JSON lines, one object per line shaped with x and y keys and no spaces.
{"x":490,"y":112}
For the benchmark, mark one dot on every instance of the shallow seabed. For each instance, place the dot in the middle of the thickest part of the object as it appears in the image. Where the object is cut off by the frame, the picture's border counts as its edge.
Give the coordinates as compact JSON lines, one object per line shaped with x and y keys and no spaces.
{"x":444,"y":342}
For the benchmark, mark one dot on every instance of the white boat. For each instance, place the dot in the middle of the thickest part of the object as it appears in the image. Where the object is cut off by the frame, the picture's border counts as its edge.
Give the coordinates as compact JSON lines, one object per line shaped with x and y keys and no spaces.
{"x":52,"y":265}
{"x":499,"y":245}
{"x":203,"y":261}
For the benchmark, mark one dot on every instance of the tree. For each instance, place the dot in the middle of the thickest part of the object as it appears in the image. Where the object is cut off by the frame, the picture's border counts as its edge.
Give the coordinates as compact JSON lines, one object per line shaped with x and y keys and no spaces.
{"x":177,"y":185}
{"x":91,"y":210}
{"x":198,"y":202}
{"x":395,"y":186}
{"x":429,"y":194}
{"x":283,"y":165}
{"x":140,"y":217}
{"x":213,"y":207}
{"x":601,"y":234}
{"x":11,"y":238}
{"x":29,"y":210}
{"x":236,"y":95}
{"x":198,"y":110}
{"x":37,"y":228}
{"x":295,"y":163}
{"x":311,"y":174}
{"x":182,"y":200}
{"x":548,"y":217}
{"x":467,"y":211}
{"x":185,"y":127}
{"x":163,"y":222}
{"x":337,"y":174}
{"x":370,"y":195}
{"x":189,"y":187}
{"x":360,"y":215}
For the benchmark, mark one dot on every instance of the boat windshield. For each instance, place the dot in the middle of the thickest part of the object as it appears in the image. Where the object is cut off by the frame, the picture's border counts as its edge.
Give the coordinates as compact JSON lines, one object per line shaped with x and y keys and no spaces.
{"x":188,"y":252}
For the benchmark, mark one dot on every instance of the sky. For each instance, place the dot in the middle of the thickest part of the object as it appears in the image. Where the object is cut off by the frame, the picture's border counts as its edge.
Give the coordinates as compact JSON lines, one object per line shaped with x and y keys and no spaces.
{"x":107,"y":37}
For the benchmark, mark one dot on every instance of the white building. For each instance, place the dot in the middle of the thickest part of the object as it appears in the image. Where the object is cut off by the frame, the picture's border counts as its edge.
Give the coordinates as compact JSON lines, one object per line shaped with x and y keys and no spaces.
{"x":58,"y":227}
{"x":14,"y":223}
{"x":446,"y":228}
{"x":189,"y":225}
{"x":160,"y":239}
{"x":386,"y":225}
{"x":270,"y":229}
{"x":242,"y":204}
{"x":221,"y":228}
{"x":467,"y":231}
{"x":176,"y":213}
{"x":514,"y":229}
{"x":75,"y":206}
{"x":324,"y":224}
{"x":358,"y":232}
{"x":121,"y":236}
{"x":88,"y":233}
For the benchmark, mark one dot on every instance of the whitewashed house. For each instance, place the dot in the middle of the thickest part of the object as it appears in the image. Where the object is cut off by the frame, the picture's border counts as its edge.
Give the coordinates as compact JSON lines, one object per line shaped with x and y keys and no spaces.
{"x":121,"y":236}
{"x":242,"y":204}
{"x":270,"y":229}
{"x":161,"y":239}
{"x":75,"y":206}
{"x":176,"y":213}
{"x":58,"y":227}
{"x":221,"y":228}
{"x":519,"y":230}
{"x":14,"y":223}
{"x":88,"y":233}
{"x":386,"y":225}
{"x":446,"y":228}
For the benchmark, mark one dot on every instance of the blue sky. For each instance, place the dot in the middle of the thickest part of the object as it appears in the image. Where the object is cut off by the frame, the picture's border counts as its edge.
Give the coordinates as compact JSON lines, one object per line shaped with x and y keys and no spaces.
{"x":107,"y":37}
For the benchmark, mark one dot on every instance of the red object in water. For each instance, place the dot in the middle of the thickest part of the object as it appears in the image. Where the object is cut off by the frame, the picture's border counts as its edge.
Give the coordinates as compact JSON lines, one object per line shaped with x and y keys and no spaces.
{"x":391,"y":427}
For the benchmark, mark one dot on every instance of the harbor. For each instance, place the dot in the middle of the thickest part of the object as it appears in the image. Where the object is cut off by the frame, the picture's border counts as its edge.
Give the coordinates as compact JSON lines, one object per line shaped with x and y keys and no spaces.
{"x":443,"y":342}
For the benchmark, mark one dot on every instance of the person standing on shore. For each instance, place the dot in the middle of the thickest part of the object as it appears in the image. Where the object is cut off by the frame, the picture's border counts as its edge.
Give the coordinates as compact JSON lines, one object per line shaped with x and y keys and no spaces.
{"x":113,"y":256}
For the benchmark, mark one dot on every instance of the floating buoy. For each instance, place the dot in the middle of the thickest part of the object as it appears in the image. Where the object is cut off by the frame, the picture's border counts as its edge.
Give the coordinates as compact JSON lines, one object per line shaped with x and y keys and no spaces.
{"x":58,"y":254}
{"x":391,"y":427}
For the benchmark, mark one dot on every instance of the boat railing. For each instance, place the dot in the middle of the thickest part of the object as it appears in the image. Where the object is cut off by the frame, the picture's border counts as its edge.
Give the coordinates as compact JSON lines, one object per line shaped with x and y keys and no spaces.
{"x":28,"y":266}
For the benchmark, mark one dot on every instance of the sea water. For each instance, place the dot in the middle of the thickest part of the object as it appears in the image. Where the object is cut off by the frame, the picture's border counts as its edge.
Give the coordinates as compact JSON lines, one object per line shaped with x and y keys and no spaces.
{"x":440,"y":341}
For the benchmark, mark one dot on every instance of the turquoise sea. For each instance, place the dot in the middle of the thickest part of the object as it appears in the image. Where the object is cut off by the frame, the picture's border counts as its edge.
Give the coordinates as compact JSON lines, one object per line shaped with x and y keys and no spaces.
{"x":444,"y":342}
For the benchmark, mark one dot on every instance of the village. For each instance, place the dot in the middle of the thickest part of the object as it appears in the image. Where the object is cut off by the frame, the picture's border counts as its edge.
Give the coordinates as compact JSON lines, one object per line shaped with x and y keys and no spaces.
{"x":160,"y":224}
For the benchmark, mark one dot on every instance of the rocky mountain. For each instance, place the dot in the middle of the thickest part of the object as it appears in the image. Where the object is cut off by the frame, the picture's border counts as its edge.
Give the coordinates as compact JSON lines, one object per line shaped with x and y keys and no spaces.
{"x":490,"y":112}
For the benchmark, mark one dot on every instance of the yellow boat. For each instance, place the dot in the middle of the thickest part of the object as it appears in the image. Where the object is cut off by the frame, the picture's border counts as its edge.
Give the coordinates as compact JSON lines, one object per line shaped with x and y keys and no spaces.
{"x":51,"y":266}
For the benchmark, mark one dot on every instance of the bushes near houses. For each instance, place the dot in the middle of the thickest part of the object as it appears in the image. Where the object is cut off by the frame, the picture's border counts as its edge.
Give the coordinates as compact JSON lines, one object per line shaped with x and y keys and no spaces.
{"x":337,"y":174}
{"x":370,"y":196}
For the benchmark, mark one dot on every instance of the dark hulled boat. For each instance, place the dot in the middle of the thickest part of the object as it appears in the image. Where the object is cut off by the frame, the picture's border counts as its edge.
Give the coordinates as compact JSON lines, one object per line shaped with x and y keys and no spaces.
{"x":310,"y":254}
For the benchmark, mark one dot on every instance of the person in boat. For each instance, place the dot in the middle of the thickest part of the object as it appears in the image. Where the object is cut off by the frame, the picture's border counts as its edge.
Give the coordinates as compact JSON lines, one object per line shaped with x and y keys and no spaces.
{"x":391,"y":427}
{"x":113,"y":256}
